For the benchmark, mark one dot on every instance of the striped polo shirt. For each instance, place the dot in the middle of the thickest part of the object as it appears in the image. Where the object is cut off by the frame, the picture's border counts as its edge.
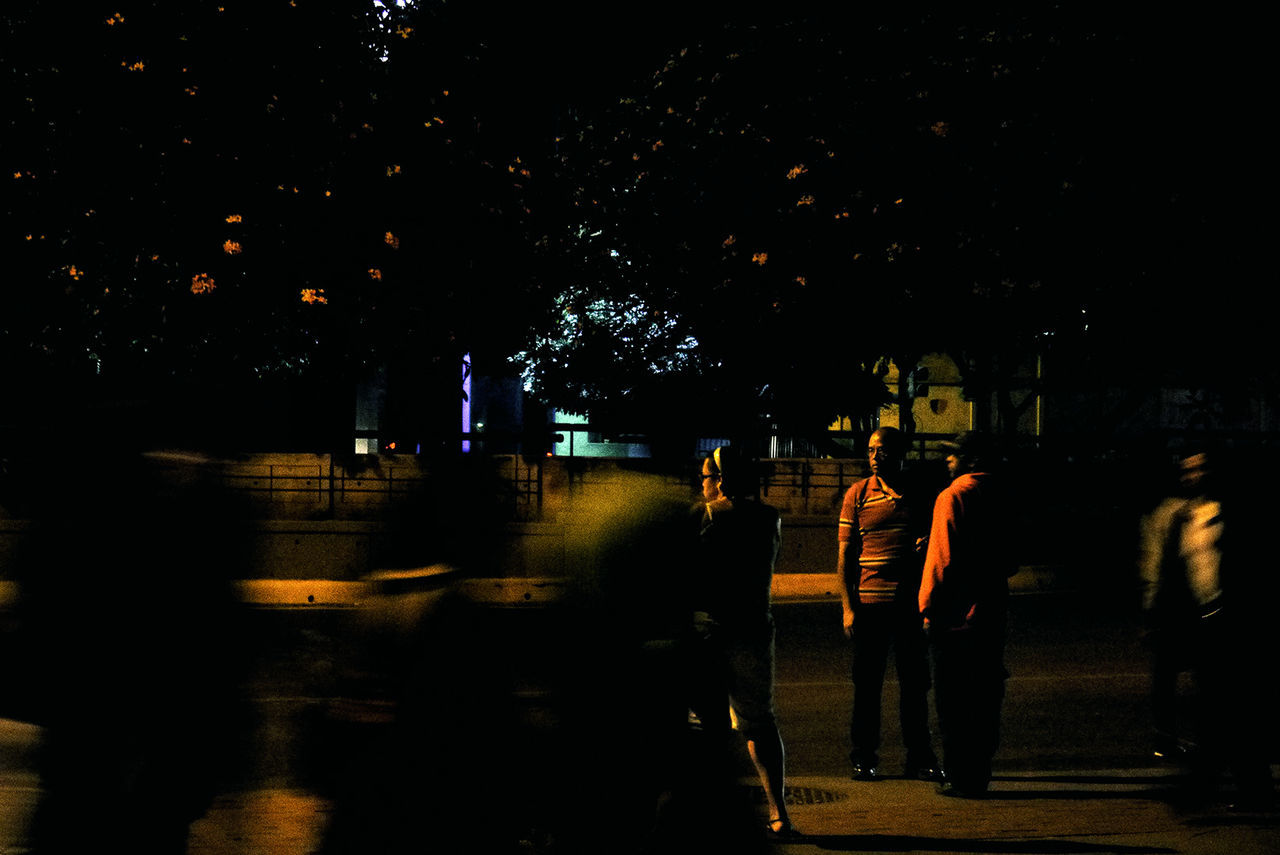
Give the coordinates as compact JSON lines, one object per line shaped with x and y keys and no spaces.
{"x":879,"y":528}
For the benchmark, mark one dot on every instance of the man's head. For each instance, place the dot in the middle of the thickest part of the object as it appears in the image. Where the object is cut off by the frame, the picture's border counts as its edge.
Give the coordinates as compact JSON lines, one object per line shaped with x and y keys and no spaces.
{"x":1195,"y":473}
{"x":727,"y":472}
{"x":970,"y":451}
{"x":710,"y":479}
{"x":886,"y":448}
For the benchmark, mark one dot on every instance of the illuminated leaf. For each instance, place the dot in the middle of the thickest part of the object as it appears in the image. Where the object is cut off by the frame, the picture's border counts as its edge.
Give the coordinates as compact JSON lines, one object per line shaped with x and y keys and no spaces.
{"x":202,"y":283}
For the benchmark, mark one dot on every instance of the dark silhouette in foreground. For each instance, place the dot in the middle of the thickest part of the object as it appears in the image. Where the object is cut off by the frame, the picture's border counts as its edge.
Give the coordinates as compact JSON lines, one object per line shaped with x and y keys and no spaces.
{"x":131,"y":659}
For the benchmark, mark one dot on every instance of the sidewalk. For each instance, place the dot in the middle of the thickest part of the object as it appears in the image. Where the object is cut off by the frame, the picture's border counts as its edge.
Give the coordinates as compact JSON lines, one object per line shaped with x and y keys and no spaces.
{"x":1085,"y":812}
{"x":1082,"y":812}
{"x":1114,"y":811}
{"x":1107,"y":811}
{"x":1124,"y":811}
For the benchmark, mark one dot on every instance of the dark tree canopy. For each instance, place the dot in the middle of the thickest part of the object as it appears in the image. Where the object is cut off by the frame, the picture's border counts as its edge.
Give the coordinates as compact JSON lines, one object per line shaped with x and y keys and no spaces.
{"x":806,"y":197}
{"x":243,"y":201}
{"x":674,"y":212}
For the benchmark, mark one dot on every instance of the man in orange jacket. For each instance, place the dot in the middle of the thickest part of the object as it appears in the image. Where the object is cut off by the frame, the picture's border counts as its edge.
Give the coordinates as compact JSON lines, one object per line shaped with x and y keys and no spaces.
{"x":964,"y":596}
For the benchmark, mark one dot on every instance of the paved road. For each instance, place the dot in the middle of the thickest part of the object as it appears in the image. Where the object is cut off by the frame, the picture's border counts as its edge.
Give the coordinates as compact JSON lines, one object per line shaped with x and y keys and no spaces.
{"x":1076,"y":697}
{"x":1074,"y":773}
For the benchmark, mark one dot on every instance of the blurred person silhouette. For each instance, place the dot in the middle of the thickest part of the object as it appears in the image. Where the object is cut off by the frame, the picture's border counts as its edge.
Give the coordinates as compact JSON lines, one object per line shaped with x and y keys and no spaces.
{"x":738,"y":541}
{"x":417,"y":750}
{"x":628,"y":658}
{"x":882,"y":531}
{"x":135,"y":658}
{"x":418,"y":745}
{"x":964,"y":596}
{"x":1206,"y":596}
{"x":1167,"y":618}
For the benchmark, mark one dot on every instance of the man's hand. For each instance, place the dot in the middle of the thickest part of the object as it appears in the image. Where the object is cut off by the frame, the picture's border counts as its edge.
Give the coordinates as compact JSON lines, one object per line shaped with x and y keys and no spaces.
{"x":848,"y":622}
{"x":922,"y":543}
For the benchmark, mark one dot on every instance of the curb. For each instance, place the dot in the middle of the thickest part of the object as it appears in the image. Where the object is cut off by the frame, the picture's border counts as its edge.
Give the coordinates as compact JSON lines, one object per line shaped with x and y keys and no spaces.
{"x":518,"y":591}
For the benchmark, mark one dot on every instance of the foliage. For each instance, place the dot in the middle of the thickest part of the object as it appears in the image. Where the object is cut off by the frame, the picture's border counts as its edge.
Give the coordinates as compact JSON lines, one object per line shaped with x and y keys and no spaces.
{"x":805,"y":196}
{"x":694,"y":216}
{"x":250,"y":197}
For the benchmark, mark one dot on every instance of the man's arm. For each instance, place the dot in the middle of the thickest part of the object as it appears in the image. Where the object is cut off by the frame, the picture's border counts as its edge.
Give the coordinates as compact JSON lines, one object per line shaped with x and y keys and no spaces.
{"x":848,"y":549}
{"x":842,"y":583}
{"x":1154,"y":531}
{"x":938,"y":555}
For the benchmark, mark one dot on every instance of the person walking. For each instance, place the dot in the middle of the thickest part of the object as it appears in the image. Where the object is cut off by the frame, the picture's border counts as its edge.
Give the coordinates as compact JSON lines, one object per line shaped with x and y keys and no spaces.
{"x":1202,"y":583}
{"x":964,"y":593}
{"x":881,"y":534}
{"x":738,"y":542}
{"x":1168,"y":620}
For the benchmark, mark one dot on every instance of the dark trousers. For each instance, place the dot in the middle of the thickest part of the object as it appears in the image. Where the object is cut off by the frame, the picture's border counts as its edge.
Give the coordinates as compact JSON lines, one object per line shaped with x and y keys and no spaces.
{"x":1231,"y":710}
{"x":969,"y":680}
{"x":877,"y":628}
{"x":1169,"y":658}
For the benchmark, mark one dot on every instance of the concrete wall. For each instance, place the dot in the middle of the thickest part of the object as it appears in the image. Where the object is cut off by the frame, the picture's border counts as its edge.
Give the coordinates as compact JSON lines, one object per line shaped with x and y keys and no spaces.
{"x":314,"y":517}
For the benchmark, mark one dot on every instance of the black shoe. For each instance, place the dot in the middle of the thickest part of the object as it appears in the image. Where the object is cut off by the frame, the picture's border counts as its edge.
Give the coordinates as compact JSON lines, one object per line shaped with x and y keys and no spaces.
{"x":950,"y":790}
{"x":927,"y":772}
{"x":865,"y":772}
{"x":1253,"y":802}
{"x":1174,"y":750}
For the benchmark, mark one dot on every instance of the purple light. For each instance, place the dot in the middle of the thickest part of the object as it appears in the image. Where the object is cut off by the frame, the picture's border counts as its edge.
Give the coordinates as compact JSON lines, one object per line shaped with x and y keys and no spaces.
{"x":466,"y":401}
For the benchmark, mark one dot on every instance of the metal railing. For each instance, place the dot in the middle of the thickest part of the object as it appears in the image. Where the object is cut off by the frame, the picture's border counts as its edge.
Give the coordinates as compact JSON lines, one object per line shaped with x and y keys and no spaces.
{"x":327,"y":485}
